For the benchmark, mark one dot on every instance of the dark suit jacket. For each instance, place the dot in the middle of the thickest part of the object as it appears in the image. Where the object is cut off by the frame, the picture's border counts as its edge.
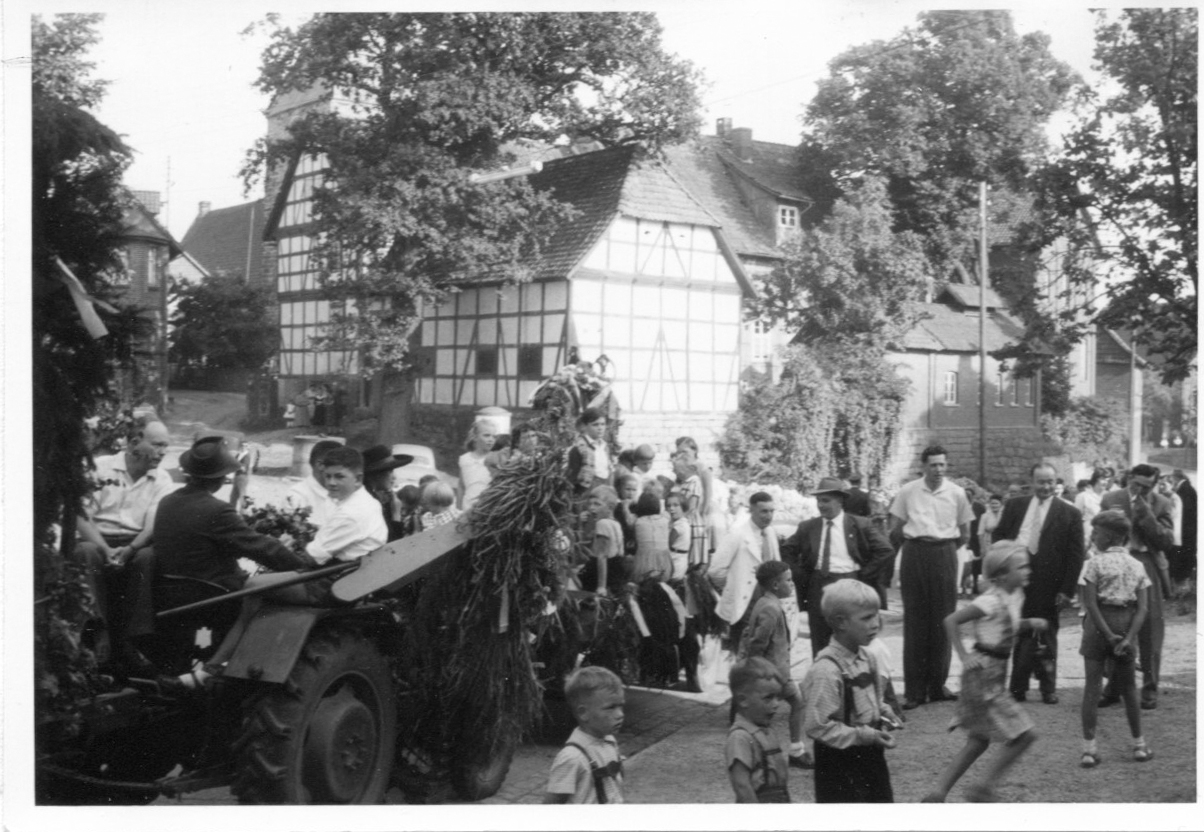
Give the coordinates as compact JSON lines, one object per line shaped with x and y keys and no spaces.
{"x":1059,"y":557}
{"x":1187,"y":493}
{"x":858,"y":502}
{"x":1153,"y":525}
{"x":867,"y":545}
{"x":199,"y":536}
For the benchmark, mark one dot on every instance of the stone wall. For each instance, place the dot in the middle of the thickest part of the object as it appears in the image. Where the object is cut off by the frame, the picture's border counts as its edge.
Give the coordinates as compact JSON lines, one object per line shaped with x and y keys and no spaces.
{"x":1011,"y":452}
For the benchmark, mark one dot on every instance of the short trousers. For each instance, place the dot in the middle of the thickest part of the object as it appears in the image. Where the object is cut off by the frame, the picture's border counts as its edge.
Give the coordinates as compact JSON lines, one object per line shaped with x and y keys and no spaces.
{"x":1095,"y":646}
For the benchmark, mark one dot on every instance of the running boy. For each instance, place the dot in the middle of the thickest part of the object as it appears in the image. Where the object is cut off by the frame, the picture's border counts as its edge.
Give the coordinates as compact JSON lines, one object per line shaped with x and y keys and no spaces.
{"x":755,"y":765}
{"x":589,"y":769}
{"x":845,"y":712}
{"x":768,"y":636}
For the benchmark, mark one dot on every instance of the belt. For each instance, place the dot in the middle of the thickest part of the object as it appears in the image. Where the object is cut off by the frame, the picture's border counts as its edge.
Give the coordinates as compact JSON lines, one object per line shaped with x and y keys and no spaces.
{"x":994,"y":652}
{"x":931,"y":541}
{"x":836,"y":576}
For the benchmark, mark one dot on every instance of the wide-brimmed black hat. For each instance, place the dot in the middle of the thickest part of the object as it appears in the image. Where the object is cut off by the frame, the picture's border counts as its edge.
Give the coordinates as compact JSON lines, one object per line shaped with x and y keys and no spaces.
{"x":208,"y":458}
{"x":381,"y":458}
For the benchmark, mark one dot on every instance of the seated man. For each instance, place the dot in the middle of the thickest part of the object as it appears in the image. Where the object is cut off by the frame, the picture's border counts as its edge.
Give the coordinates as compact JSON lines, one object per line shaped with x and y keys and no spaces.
{"x":119,"y":521}
{"x":311,"y":492}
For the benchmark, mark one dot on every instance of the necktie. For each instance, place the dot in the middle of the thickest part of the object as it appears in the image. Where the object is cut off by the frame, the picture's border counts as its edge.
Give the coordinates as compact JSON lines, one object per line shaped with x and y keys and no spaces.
{"x":765,"y":543}
{"x":1034,"y":534}
{"x":825,"y":556}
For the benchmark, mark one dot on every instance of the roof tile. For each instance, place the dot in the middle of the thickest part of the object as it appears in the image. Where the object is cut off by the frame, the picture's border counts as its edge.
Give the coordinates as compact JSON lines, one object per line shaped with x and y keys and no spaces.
{"x":226,"y":240}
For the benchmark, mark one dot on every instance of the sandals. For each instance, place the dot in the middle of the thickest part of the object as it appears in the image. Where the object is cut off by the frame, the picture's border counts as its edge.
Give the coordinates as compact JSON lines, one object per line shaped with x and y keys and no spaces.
{"x":1090,"y":759}
{"x":1142,"y":753}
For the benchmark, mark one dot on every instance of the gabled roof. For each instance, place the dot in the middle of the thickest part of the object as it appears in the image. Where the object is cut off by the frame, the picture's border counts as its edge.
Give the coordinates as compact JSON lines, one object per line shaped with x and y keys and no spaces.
{"x":229,"y":241}
{"x":945,"y":329}
{"x":770,"y":165}
{"x":138,"y":222}
{"x":698,"y":167}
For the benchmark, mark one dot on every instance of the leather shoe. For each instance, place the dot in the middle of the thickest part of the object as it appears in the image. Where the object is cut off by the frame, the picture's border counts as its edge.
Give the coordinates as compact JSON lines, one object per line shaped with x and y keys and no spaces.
{"x":1020,"y":697}
{"x":805,"y":761}
{"x":1149,"y":704}
{"x":1049,"y":698}
{"x":912,"y":704}
{"x":1107,"y":700}
{"x":943,"y":695}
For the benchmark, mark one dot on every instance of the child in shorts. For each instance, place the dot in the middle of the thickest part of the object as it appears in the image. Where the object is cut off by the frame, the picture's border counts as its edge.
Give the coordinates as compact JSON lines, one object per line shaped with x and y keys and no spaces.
{"x":986,"y":711}
{"x":755,"y":765}
{"x":589,"y":769}
{"x":1115,"y":589}
{"x":768,"y":635}
{"x":845,"y":710}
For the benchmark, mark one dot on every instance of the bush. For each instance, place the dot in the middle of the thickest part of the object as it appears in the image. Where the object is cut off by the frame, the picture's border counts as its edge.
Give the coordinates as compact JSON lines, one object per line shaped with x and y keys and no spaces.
{"x":1093,"y":430}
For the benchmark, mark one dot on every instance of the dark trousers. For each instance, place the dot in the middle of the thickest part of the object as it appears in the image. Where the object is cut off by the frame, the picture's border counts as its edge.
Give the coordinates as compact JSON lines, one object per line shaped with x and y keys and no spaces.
{"x":1025,"y":664}
{"x":1149,"y":638}
{"x":928,"y":581}
{"x":821,"y":633}
{"x":857,"y":774}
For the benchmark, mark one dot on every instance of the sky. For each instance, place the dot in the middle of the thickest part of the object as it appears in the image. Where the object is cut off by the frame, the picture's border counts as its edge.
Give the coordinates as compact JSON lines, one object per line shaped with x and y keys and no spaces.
{"x":182,"y":74}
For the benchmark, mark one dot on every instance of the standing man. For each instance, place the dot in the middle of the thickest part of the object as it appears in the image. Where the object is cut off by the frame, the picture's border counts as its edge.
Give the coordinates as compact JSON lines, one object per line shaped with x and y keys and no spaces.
{"x":1185,"y":564}
{"x":858,"y":501}
{"x":835,"y":545}
{"x":1152,"y":536}
{"x":1052,"y":531}
{"x":930,"y":519}
{"x":734,"y":567}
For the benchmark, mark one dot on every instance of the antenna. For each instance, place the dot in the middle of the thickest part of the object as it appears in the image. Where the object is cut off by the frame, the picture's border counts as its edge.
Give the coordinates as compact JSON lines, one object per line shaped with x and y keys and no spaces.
{"x":167,"y":197}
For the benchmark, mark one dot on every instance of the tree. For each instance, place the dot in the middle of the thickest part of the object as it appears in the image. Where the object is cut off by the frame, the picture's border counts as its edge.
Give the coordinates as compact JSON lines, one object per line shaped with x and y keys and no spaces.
{"x":1125,"y":188}
{"x":958,"y":100}
{"x":851,"y":281}
{"x":435,"y":98}
{"x":222,"y":323}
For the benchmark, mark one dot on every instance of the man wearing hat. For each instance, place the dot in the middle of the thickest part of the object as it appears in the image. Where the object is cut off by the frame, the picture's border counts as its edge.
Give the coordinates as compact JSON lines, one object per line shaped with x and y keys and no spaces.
{"x":379,"y":462}
{"x":199,"y":536}
{"x":830,"y":547}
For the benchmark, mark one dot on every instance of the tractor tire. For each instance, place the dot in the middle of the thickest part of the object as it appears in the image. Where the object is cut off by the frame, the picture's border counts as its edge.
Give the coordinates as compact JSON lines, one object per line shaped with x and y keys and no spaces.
{"x":327,"y":735}
{"x":477,"y":780}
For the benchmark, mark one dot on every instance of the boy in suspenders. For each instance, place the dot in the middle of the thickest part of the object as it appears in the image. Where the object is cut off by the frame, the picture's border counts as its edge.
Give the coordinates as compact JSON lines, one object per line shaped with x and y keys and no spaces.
{"x":589,"y":769}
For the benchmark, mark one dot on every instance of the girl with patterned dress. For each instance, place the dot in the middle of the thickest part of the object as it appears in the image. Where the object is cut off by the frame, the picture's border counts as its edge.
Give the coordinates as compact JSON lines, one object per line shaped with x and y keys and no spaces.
{"x":985,"y":709}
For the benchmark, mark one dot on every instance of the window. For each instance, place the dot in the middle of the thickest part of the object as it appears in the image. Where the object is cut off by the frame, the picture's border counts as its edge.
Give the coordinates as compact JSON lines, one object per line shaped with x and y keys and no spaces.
{"x":950,"y":388}
{"x":761,"y":343}
{"x":1001,"y":390}
{"x":152,"y":269}
{"x":121,"y":277}
{"x":787,"y":216}
{"x":530,"y":361}
{"x":1028,"y":392}
{"x":487,"y":362}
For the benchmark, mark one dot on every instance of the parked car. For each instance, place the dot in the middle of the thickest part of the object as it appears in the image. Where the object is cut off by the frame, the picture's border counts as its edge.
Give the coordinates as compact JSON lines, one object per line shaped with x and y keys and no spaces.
{"x":422,"y":465}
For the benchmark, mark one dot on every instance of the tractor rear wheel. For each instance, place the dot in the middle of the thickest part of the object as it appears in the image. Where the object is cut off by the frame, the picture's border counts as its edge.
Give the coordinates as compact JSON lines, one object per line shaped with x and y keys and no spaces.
{"x":326,"y":736}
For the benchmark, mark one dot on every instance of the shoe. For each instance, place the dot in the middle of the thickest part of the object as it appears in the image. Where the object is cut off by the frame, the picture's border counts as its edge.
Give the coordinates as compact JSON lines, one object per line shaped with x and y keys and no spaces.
{"x":980,"y":794}
{"x":1149,"y":704}
{"x":1142,"y":753}
{"x":1108,"y":699}
{"x":1050,"y":698}
{"x":943,"y":695}
{"x":1020,"y":697}
{"x":803,"y":761}
{"x":912,"y":704}
{"x":1090,"y":759}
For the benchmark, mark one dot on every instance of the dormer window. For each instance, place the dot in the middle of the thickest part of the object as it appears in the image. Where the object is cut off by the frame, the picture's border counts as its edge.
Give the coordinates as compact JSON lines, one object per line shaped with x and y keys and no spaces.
{"x":787,"y":216}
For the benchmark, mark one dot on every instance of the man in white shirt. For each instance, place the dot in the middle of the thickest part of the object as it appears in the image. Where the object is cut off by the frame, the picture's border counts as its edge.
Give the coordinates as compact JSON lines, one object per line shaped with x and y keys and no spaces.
{"x":930,"y":519}
{"x":733,"y":569}
{"x":356,"y":524}
{"x":311,"y":492}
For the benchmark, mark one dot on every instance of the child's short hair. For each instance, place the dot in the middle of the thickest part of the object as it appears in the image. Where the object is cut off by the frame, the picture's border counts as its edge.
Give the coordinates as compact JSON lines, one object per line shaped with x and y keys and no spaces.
{"x":999,"y":557}
{"x":320,"y":449}
{"x":647,"y":505}
{"x":1114,"y":522}
{"x":438,"y":495}
{"x":768,"y":572}
{"x":584,"y":682}
{"x":410,"y":496}
{"x":626,"y":478}
{"x":998,"y":497}
{"x":674,"y":497}
{"x":344,"y":457}
{"x":844,"y":596}
{"x":747,"y":673}
{"x":606,"y":494}
{"x":425,"y":480}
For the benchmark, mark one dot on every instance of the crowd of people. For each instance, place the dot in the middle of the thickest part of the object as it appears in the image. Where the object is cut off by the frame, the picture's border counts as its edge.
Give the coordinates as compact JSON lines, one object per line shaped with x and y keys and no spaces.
{"x":693,"y":562}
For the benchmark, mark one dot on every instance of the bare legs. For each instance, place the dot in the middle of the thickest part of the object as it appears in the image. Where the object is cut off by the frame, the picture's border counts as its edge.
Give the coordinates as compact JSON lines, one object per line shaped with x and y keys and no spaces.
{"x":971,"y":751}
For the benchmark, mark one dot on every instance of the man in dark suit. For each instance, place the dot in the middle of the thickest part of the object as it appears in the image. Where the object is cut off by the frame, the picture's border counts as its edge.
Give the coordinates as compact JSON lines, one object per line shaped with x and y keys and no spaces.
{"x":1185,"y":565}
{"x":1052,"y":529}
{"x":1153,"y":535}
{"x":859,"y":500}
{"x":832,"y":546}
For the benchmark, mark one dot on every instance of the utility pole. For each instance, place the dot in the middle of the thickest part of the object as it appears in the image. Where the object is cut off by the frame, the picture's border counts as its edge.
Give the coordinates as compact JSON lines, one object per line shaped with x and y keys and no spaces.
{"x":982,"y":335}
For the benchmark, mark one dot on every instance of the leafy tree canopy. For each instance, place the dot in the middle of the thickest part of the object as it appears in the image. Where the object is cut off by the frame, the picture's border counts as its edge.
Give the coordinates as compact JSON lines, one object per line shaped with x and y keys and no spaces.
{"x":436,"y":97}
{"x":851,"y":281}
{"x":1130,"y":168}
{"x":222,"y":323}
{"x":959,"y":99}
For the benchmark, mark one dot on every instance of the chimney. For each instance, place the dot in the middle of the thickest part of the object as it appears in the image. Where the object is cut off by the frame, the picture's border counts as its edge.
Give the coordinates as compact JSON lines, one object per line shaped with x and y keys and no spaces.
{"x":202,"y":209}
{"x":741,"y":142}
{"x":723,"y":126}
